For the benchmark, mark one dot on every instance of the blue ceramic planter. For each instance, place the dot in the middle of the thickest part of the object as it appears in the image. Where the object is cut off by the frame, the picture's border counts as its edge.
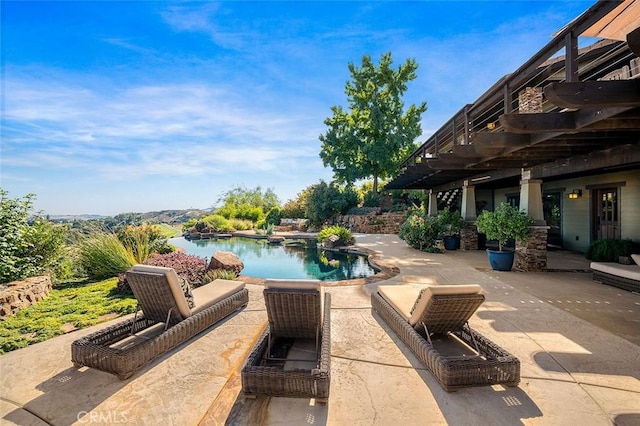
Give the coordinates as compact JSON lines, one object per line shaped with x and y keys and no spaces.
{"x":451,"y":242}
{"x":501,"y":260}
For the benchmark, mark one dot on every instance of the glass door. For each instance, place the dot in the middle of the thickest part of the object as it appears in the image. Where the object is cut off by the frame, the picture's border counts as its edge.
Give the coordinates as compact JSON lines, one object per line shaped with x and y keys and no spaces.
{"x":552,"y":209}
{"x":606,"y":213}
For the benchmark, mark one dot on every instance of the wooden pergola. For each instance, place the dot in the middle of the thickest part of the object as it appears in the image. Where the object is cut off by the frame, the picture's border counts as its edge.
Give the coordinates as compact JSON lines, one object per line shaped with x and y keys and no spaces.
{"x":565,"y":112}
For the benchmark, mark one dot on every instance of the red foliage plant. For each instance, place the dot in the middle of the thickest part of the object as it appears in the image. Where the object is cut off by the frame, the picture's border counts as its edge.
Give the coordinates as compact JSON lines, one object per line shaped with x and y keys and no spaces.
{"x":191,"y":267}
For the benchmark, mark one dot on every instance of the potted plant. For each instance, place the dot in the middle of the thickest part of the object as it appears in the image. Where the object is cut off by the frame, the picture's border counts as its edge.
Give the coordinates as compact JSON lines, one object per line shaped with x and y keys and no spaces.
{"x":504,"y":223}
{"x":453,"y":224}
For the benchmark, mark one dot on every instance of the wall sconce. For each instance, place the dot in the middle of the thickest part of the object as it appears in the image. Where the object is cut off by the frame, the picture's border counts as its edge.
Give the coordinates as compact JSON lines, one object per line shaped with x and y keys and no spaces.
{"x":576,"y":193}
{"x":491,"y":126}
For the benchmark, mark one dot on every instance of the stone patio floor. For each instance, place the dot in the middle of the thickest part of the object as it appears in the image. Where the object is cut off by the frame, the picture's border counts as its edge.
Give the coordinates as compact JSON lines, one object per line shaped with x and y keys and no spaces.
{"x":578,"y":342}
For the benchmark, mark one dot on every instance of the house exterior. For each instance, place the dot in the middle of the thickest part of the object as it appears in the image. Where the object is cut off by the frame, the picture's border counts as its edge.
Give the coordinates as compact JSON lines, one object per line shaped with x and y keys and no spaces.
{"x":559,"y":137}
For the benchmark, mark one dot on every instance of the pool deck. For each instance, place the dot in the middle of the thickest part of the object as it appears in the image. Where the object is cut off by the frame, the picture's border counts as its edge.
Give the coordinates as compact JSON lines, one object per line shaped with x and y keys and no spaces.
{"x":578,"y":342}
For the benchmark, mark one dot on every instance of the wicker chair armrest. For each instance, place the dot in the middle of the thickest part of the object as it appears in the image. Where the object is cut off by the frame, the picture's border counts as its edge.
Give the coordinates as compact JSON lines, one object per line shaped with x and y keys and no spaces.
{"x":325,"y":342}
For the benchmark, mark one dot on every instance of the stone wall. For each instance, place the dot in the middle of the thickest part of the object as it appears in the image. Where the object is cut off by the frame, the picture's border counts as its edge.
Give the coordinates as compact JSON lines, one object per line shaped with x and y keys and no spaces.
{"x":531,"y":255}
{"x":373,"y":223}
{"x":20,"y":294}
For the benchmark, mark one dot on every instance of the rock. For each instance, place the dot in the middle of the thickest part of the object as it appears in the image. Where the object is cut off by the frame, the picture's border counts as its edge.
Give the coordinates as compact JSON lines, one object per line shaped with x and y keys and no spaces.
{"x":227,"y":261}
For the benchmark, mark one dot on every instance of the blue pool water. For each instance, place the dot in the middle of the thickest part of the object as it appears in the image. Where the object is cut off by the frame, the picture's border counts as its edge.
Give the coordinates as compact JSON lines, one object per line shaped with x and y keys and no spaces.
{"x":288,"y":261}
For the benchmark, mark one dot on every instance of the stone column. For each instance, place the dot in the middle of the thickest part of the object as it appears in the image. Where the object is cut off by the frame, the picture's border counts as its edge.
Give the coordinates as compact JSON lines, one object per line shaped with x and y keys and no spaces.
{"x":468,"y":208}
{"x":531,"y":199}
{"x":433,"y":204}
{"x":469,"y":235}
{"x":531,"y":255}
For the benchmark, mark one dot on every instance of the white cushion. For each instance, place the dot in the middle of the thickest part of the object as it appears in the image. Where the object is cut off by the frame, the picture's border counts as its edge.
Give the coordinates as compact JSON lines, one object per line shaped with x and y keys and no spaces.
{"x":174,"y":285}
{"x":401,"y":297}
{"x":292,"y":284}
{"x":631,"y":272}
{"x":636,"y":258}
{"x":213,"y":292}
{"x":434,"y":290}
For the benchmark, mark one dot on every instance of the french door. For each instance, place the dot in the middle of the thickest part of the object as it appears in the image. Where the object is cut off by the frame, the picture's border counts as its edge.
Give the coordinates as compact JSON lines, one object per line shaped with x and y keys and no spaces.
{"x":606,"y":212}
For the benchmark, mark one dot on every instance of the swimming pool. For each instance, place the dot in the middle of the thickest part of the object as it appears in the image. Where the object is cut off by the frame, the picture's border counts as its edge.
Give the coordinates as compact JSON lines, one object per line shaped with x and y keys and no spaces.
{"x":291,"y":260}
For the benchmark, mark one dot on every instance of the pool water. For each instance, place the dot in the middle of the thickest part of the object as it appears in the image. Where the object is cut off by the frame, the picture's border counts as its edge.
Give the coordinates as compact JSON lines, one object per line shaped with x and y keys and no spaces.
{"x":291,"y":260}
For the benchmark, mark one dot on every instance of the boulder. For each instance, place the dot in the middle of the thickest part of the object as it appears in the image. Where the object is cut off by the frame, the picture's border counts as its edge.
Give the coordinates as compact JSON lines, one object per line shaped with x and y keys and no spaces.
{"x":227,"y":261}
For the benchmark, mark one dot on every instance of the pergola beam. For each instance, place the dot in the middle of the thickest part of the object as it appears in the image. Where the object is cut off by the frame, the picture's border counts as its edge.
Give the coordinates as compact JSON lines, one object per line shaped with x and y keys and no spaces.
{"x":590,"y":94}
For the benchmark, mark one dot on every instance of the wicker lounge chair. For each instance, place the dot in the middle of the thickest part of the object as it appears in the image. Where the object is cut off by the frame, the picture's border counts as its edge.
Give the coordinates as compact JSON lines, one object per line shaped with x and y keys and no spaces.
{"x":433,"y":324}
{"x":166,"y":322}
{"x":292,"y":357}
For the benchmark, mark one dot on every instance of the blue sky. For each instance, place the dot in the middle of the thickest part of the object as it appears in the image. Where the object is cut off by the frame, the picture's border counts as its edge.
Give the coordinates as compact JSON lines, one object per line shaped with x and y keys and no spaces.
{"x":112,"y":107}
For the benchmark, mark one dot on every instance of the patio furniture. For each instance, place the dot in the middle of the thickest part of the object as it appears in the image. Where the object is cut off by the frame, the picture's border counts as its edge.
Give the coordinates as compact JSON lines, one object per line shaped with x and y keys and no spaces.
{"x":433,"y":323}
{"x":167,"y":320}
{"x":626,"y":277}
{"x":292,"y":357}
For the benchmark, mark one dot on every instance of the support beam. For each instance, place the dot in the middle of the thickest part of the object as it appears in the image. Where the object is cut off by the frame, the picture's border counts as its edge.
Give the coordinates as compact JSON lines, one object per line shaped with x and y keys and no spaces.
{"x":538,"y":122}
{"x":600,"y":160}
{"x":585,"y":94}
{"x":633,"y":40}
{"x":501,"y":140}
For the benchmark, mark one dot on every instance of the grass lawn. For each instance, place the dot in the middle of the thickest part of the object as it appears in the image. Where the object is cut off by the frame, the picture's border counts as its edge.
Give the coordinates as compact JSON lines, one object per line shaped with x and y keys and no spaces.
{"x":70,"y":305}
{"x":170,"y":231}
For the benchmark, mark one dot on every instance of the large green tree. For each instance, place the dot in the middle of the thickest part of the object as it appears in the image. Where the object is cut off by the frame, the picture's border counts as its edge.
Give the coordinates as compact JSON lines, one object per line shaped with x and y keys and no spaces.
{"x":373,"y":137}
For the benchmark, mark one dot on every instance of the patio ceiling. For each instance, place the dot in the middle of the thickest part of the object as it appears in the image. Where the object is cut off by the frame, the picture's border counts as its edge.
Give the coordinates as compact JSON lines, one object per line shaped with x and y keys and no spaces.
{"x":573,"y":114}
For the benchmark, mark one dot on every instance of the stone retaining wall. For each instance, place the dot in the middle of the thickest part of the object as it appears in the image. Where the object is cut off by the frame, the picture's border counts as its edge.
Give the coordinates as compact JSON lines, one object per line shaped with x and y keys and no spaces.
{"x":373,"y":223}
{"x":20,"y":294}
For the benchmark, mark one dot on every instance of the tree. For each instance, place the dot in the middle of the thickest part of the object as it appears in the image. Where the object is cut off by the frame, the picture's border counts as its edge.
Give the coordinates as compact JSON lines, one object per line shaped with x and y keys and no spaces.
{"x":325,"y":201}
{"x":241,"y":203}
{"x":375,"y":135}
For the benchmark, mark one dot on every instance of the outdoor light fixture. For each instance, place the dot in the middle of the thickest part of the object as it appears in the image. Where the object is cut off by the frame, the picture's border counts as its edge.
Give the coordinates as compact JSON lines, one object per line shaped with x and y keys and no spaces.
{"x":576,"y":193}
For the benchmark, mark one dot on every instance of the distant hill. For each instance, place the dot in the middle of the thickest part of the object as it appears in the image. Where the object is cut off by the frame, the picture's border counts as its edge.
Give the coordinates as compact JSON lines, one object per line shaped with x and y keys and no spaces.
{"x":162,"y":216}
{"x":174,"y":216}
{"x":72,"y":217}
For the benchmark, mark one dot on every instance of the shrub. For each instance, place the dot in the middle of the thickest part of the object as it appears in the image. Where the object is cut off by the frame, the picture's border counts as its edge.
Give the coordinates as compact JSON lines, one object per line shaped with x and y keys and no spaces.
{"x":339,"y":231}
{"x":608,"y":249}
{"x":217,"y":223}
{"x":274,"y":216}
{"x":241,"y":224}
{"x":452,"y":221}
{"x":143,"y":241}
{"x":325,"y":201}
{"x":189,"y":225}
{"x":504,"y":223}
{"x":223,"y":274}
{"x":295,"y":209}
{"x":103,"y":255}
{"x":421,"y":231}
{"x":28,"y":246}
{"x":189,"y":266}
{"x":371,"y":199}
{"x":252,"y":213}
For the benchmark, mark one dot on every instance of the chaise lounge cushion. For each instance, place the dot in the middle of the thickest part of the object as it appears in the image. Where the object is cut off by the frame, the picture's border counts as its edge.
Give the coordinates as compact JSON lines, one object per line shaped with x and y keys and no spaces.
{"x":631,"y":272}
{"x":411,"y":302}
{"x":636,"y":258}
{"x":174,"y":285}
{"x":212,"y":293}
